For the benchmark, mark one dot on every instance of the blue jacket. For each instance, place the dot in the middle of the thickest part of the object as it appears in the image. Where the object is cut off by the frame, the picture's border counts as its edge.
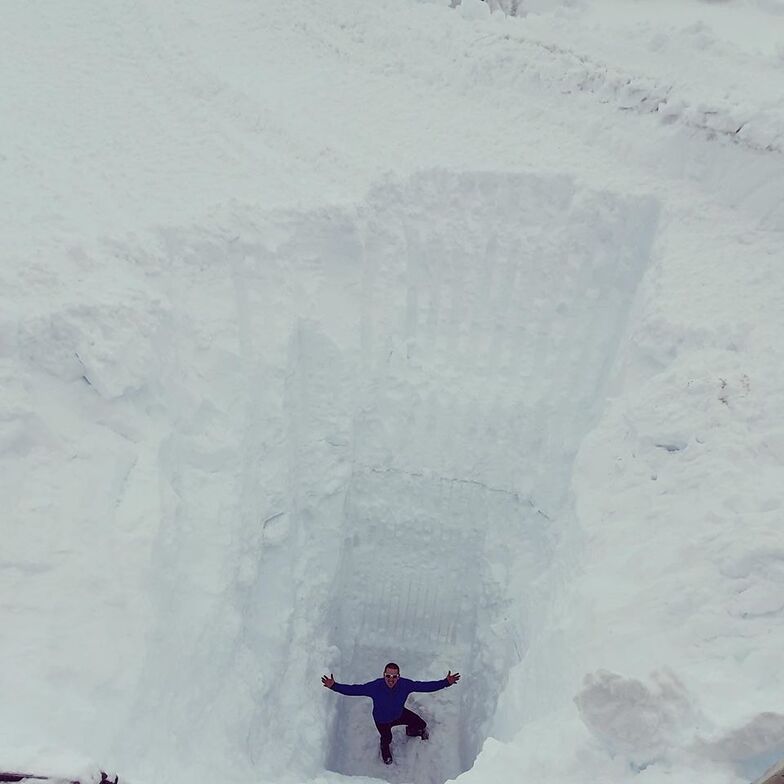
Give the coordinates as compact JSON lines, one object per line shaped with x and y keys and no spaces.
{"x":388,"y":703}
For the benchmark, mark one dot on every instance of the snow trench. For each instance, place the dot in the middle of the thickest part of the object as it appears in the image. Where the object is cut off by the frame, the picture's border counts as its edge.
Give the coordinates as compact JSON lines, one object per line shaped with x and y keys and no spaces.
{"x":393,"y":478}
{"x":484,"y":320}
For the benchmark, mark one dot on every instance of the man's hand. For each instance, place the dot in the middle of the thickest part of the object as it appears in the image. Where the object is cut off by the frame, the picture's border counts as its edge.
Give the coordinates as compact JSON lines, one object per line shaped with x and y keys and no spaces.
{"x":329,"y":681}
{"x":452,"y":678}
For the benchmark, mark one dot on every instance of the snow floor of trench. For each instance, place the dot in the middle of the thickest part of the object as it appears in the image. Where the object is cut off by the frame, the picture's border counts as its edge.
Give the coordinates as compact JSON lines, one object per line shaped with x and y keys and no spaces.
{"x":414,"y":587}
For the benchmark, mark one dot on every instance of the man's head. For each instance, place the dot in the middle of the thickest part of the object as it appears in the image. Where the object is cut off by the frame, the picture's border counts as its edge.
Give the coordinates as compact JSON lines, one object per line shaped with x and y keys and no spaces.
{"x":391,"y":674}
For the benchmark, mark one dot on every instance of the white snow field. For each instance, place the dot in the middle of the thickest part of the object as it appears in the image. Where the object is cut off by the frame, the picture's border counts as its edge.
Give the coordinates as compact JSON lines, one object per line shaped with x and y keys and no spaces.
{"x":340,"y":333}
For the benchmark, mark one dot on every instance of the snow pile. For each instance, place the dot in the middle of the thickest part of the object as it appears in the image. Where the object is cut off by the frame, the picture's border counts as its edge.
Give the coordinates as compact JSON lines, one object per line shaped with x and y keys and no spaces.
{"x":364,"y":333}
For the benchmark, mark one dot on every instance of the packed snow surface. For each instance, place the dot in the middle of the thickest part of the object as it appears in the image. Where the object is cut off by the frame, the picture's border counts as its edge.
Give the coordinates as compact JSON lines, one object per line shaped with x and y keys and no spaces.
{"x":340,"y":333}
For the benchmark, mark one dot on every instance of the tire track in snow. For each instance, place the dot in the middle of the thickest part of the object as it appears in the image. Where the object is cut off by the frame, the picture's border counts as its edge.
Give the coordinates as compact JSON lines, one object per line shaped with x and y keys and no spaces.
{"x":758,"y":128}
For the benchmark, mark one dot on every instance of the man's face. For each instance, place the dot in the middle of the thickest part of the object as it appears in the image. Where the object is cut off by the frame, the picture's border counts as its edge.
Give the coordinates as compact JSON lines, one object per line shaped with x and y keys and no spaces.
{"x":391,"y":677}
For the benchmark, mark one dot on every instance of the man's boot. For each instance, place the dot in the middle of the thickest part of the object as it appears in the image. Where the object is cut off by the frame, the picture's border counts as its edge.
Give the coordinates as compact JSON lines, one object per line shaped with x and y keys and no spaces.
{"x":423,"y":733}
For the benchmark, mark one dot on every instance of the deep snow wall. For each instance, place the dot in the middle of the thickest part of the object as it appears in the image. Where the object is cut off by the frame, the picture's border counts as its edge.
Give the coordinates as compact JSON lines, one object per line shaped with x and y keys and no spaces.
{"x":378,"y":464}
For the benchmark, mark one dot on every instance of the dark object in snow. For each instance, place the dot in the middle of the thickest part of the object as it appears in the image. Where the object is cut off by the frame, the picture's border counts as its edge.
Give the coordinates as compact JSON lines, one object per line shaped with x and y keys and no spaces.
{"x":15,"y":776}
{"x":773,"y":775}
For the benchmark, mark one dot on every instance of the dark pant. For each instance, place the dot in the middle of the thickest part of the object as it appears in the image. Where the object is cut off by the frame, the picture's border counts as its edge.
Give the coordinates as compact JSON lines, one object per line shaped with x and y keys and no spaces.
{"x":414,"y":726}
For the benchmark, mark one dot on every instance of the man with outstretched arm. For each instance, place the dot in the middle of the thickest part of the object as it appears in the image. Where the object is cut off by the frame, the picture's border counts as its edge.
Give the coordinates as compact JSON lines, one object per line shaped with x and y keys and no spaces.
{"x":389,"y":695}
